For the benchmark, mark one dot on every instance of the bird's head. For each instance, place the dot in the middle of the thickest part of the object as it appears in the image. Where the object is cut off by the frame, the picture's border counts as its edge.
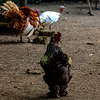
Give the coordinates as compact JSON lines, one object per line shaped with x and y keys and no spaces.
{"x":37,"y":11}
{"x":61,"y":9}
{"x":56,"y":37}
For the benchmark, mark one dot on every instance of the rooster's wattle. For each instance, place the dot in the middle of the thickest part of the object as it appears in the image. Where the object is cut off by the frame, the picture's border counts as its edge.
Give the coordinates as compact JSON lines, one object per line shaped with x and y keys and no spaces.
{"x":23,"y":20}
{"x":57,"y":68}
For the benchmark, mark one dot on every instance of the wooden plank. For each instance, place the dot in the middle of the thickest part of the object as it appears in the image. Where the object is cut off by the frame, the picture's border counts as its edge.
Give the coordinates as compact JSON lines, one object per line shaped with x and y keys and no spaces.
{"x":46,"y":32}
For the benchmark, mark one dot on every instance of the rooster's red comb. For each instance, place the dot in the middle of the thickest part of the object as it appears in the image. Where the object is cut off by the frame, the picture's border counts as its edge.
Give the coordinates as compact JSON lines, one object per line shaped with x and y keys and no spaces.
{"x":59,"y":34}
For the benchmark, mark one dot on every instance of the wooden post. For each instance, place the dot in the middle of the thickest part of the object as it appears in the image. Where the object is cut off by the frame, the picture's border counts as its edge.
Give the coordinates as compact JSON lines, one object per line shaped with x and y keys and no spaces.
{"x":96,"y":1}
{"x":90,"y":8}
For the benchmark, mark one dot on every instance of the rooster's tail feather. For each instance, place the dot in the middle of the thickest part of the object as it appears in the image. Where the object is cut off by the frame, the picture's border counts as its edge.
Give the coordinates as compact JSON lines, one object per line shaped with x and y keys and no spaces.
{"x":10,"y":6}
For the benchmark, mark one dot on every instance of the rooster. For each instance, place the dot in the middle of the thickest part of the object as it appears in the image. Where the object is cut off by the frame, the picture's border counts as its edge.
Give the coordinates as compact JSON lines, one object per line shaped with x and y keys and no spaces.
{"x":22,"y":21}
{"x":57,"y":68}
{"x":47,"y":18}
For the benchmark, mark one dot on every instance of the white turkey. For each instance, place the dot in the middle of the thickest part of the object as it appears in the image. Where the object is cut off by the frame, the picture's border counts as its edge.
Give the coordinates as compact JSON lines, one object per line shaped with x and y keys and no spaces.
{"x":47,"y":18}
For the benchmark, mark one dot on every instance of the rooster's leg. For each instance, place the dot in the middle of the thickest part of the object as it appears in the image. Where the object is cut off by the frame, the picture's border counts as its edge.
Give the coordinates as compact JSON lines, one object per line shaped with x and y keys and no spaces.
{"x":50,"y":27}
{"x":43,"y":27}
{"x":54,"y":91}
{"x":21,"y":39}
{"x":28,"y":40}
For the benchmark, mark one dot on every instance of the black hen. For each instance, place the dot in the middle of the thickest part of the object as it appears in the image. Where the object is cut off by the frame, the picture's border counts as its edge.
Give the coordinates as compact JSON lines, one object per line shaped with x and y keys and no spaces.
{"x":57,"y":68}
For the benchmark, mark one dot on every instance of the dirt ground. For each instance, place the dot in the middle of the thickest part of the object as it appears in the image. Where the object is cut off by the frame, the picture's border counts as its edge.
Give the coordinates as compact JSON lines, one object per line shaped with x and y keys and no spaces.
{"x":80,"y":40}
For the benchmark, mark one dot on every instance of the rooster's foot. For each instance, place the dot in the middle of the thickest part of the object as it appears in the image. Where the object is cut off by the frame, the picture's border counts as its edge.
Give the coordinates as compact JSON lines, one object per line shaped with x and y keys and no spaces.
{"x":29,"y":41}
{"x":19,"y":41}
{"x":64,"y":93}
{"x":52,"y":95}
